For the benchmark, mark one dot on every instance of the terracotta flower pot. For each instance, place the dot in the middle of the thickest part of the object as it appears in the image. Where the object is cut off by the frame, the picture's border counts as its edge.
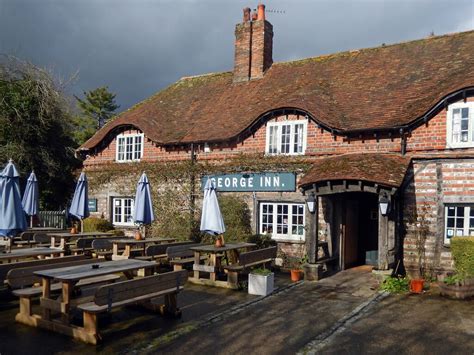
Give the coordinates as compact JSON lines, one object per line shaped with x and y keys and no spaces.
{"x":138,"y":235}
{"x":295,"y":274}
{"x":73,"y":230}
{"x":416,"y":285}
{"x":219,"y":242}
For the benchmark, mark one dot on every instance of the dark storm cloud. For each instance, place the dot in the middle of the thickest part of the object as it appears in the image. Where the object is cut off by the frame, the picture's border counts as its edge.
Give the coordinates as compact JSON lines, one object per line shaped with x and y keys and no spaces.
{"x":138,"y":47}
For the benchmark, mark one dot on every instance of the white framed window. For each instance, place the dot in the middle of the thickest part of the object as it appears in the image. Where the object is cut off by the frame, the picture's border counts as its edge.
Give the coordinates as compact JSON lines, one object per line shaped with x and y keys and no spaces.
{"x":286,"y":137}
{"x":459,"y":221}
{"x":122,"y":211}
{"x":282,"y":220}
{"x":129,"y":147}
{"x":460,"y":125}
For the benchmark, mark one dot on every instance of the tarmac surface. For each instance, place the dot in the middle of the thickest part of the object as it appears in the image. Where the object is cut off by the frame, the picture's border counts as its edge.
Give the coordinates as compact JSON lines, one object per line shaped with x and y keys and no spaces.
{"x":343,"y":314}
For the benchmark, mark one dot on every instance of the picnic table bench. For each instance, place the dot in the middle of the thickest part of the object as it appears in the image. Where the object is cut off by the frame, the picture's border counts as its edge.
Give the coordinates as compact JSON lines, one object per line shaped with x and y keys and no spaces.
{"x":5,"y":268}
{"x":141,"y":291}
{"x":158,"y":251}
{"x":22,"y":281}
{"x":28,"y":253}
{"x":181,"y":255}
{"x":247,"y":260}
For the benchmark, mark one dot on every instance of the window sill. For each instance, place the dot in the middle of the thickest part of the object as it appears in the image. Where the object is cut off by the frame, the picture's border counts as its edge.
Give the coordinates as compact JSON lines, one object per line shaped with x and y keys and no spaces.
{"x":128,"y":161}
{"x":289,"y":241}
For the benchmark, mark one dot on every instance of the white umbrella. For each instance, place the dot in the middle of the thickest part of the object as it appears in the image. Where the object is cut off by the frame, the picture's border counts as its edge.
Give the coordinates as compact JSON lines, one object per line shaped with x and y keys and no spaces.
{"x":211,"y":218}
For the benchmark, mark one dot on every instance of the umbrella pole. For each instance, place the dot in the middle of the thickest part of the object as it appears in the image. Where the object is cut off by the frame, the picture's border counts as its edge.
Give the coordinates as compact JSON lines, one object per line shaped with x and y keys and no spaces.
{"x":82,"y":225}
{"x":143,"y":232}
{"x":31,"y":221}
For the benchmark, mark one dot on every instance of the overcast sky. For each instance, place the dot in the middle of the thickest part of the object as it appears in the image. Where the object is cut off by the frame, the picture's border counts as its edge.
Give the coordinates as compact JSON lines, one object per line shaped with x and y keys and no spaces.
{"x":138,"y":47}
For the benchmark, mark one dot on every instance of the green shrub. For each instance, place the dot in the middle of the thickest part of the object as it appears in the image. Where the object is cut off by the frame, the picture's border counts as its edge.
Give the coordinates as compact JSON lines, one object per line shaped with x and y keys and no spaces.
{"x":262,"y":240}
{"x":453,"y":280}
{"x":94,"y":224}
{"x":261,"y":271}
{"x":395,"y":284}
{"x":236,"y":214}
{"x":462,"y":250}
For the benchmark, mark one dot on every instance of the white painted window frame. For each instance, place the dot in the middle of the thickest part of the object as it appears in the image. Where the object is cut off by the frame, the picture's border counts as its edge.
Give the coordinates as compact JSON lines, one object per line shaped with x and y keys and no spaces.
{"x":466,"y":222}
{"x":279,"y":126}
{"x":125,"y":136}
{"x":122,"y":199}
{"x":275,"y":235}
{"x":449,"y":125}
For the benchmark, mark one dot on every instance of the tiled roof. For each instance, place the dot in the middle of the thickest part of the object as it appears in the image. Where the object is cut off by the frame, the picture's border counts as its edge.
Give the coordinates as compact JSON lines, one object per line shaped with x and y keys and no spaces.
{"x":375,"y":88}
{"x":384,"y":169}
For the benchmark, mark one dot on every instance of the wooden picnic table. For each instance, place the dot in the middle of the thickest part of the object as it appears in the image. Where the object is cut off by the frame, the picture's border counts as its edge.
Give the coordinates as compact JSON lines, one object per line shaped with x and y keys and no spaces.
{"x":26,"y":253}
{"x":64,"y":237}
{"x":128,"y":243}
{"x":213,"y":261}
{"x":69,"y":277}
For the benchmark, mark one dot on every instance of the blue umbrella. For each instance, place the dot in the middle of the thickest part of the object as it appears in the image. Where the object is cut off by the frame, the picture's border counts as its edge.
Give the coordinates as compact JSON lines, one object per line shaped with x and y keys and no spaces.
{"x":12,"y":217}
{"x":30,"y":197}
{"x":211,"y":218}
{"x":80,"y":201}
{"x":143,"y":211}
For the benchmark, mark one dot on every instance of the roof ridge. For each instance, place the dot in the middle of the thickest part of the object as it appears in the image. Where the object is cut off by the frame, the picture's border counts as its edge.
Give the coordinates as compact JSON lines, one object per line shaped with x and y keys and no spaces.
{"x":382,"y":46}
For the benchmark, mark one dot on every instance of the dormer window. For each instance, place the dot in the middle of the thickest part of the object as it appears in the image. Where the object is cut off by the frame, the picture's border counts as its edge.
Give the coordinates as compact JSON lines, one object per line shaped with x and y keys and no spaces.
{"x":129,"y":147}
{"x":286,"y":137}
{"x":460,"y":125}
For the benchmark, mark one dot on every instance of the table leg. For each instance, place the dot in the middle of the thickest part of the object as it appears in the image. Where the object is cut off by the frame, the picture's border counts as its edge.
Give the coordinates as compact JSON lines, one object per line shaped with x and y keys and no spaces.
{"x":213,"y":262}
{"x":66,"y":300}
{"x":127,"y":251}
{"x":46,"y":294}
{"x":53,"y":242}
{"x":115,"y":249}
{"x":197,"y":260}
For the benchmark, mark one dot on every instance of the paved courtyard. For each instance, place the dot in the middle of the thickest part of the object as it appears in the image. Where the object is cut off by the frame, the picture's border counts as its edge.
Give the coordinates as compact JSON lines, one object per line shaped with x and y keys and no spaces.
{"x":343,"y":314}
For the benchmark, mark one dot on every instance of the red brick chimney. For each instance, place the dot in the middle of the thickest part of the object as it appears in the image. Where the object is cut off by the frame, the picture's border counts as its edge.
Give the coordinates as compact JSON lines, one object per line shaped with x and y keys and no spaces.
{"x":253,"y":46}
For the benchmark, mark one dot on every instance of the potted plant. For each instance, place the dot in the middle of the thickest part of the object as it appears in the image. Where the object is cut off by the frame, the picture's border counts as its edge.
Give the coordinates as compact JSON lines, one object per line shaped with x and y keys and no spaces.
{"x":460,"y":284}
{"x":261,"y":282}
{"x":295,"y":264}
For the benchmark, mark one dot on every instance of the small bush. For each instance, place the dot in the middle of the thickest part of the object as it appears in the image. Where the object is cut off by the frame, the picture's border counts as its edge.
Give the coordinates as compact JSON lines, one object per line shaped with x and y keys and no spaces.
{"x":94,"y":224}
{"x":453,"y":280}
{"x":261,"y":271}
{"x":462,"y":250}
{"x":395,"y":284}
{"x":236,"y":214}
{"x":262,"y":240}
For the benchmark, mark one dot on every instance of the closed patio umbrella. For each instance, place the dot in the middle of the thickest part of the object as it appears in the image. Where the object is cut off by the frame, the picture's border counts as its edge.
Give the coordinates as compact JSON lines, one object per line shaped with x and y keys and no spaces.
{"x":30,"y":197}
{"x":80,"y":201}
{"x":143,"y":211}
{"x":211,"y":217}
{"x":12,"y":217}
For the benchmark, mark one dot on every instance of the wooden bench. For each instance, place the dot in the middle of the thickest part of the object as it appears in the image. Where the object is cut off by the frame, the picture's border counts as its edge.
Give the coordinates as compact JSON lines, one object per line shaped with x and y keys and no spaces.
{"x":247,"y":260}
{"x":41,"y":240}
{"x":181,"y":255}
{"x":137,"y":291}
{"x":5,"y":268}
{"x":158,"y":251}
{"x":23,"y":280}
{"x":83,"y":245}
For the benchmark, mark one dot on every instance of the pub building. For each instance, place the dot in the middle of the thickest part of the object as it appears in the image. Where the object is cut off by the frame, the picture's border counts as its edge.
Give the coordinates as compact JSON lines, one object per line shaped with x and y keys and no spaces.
{"x":387,"y":133}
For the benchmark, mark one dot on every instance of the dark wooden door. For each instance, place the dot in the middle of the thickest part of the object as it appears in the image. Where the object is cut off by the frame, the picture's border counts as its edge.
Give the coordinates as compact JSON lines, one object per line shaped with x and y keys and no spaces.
{"x":351,"y":235}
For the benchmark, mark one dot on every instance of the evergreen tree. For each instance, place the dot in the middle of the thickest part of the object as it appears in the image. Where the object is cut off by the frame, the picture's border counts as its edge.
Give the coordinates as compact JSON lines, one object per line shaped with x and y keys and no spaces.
{"x":36,"y":130}
{"x":98,"y":104}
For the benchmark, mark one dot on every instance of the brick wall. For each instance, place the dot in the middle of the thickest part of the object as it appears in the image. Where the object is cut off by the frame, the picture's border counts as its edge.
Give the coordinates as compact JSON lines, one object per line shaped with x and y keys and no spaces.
{"x":430,"y":137}
{"x":434,"y":183}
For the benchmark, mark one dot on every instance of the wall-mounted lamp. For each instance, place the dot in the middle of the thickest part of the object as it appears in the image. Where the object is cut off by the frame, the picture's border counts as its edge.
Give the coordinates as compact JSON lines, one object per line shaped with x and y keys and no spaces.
{"x":384,"y":204}
{"x":311,"y":203}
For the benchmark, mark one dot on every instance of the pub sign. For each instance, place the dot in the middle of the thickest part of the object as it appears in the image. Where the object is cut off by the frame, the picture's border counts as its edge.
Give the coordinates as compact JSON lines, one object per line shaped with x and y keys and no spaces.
{"x":249,"y":182}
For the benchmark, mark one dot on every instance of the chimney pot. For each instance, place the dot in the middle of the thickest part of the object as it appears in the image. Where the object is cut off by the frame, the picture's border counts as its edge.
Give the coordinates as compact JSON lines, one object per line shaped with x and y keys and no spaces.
{"x":261,"y":12}
{"x":254,"y":16}
{"x":246,"y":14}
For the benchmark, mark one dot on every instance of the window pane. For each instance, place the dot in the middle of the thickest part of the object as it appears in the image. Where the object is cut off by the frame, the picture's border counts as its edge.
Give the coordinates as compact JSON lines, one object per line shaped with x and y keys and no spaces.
{"x":451,"y":211}
{"x":450,"y":222}
{"x":465,"y":112}
{"x":285,"y":138}
{"x":298,"y":138}
{"x":273,"y":140}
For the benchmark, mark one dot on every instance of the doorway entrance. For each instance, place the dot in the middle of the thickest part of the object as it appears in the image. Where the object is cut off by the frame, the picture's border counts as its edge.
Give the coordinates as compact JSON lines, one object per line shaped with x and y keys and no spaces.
{"x":359,"y":229}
